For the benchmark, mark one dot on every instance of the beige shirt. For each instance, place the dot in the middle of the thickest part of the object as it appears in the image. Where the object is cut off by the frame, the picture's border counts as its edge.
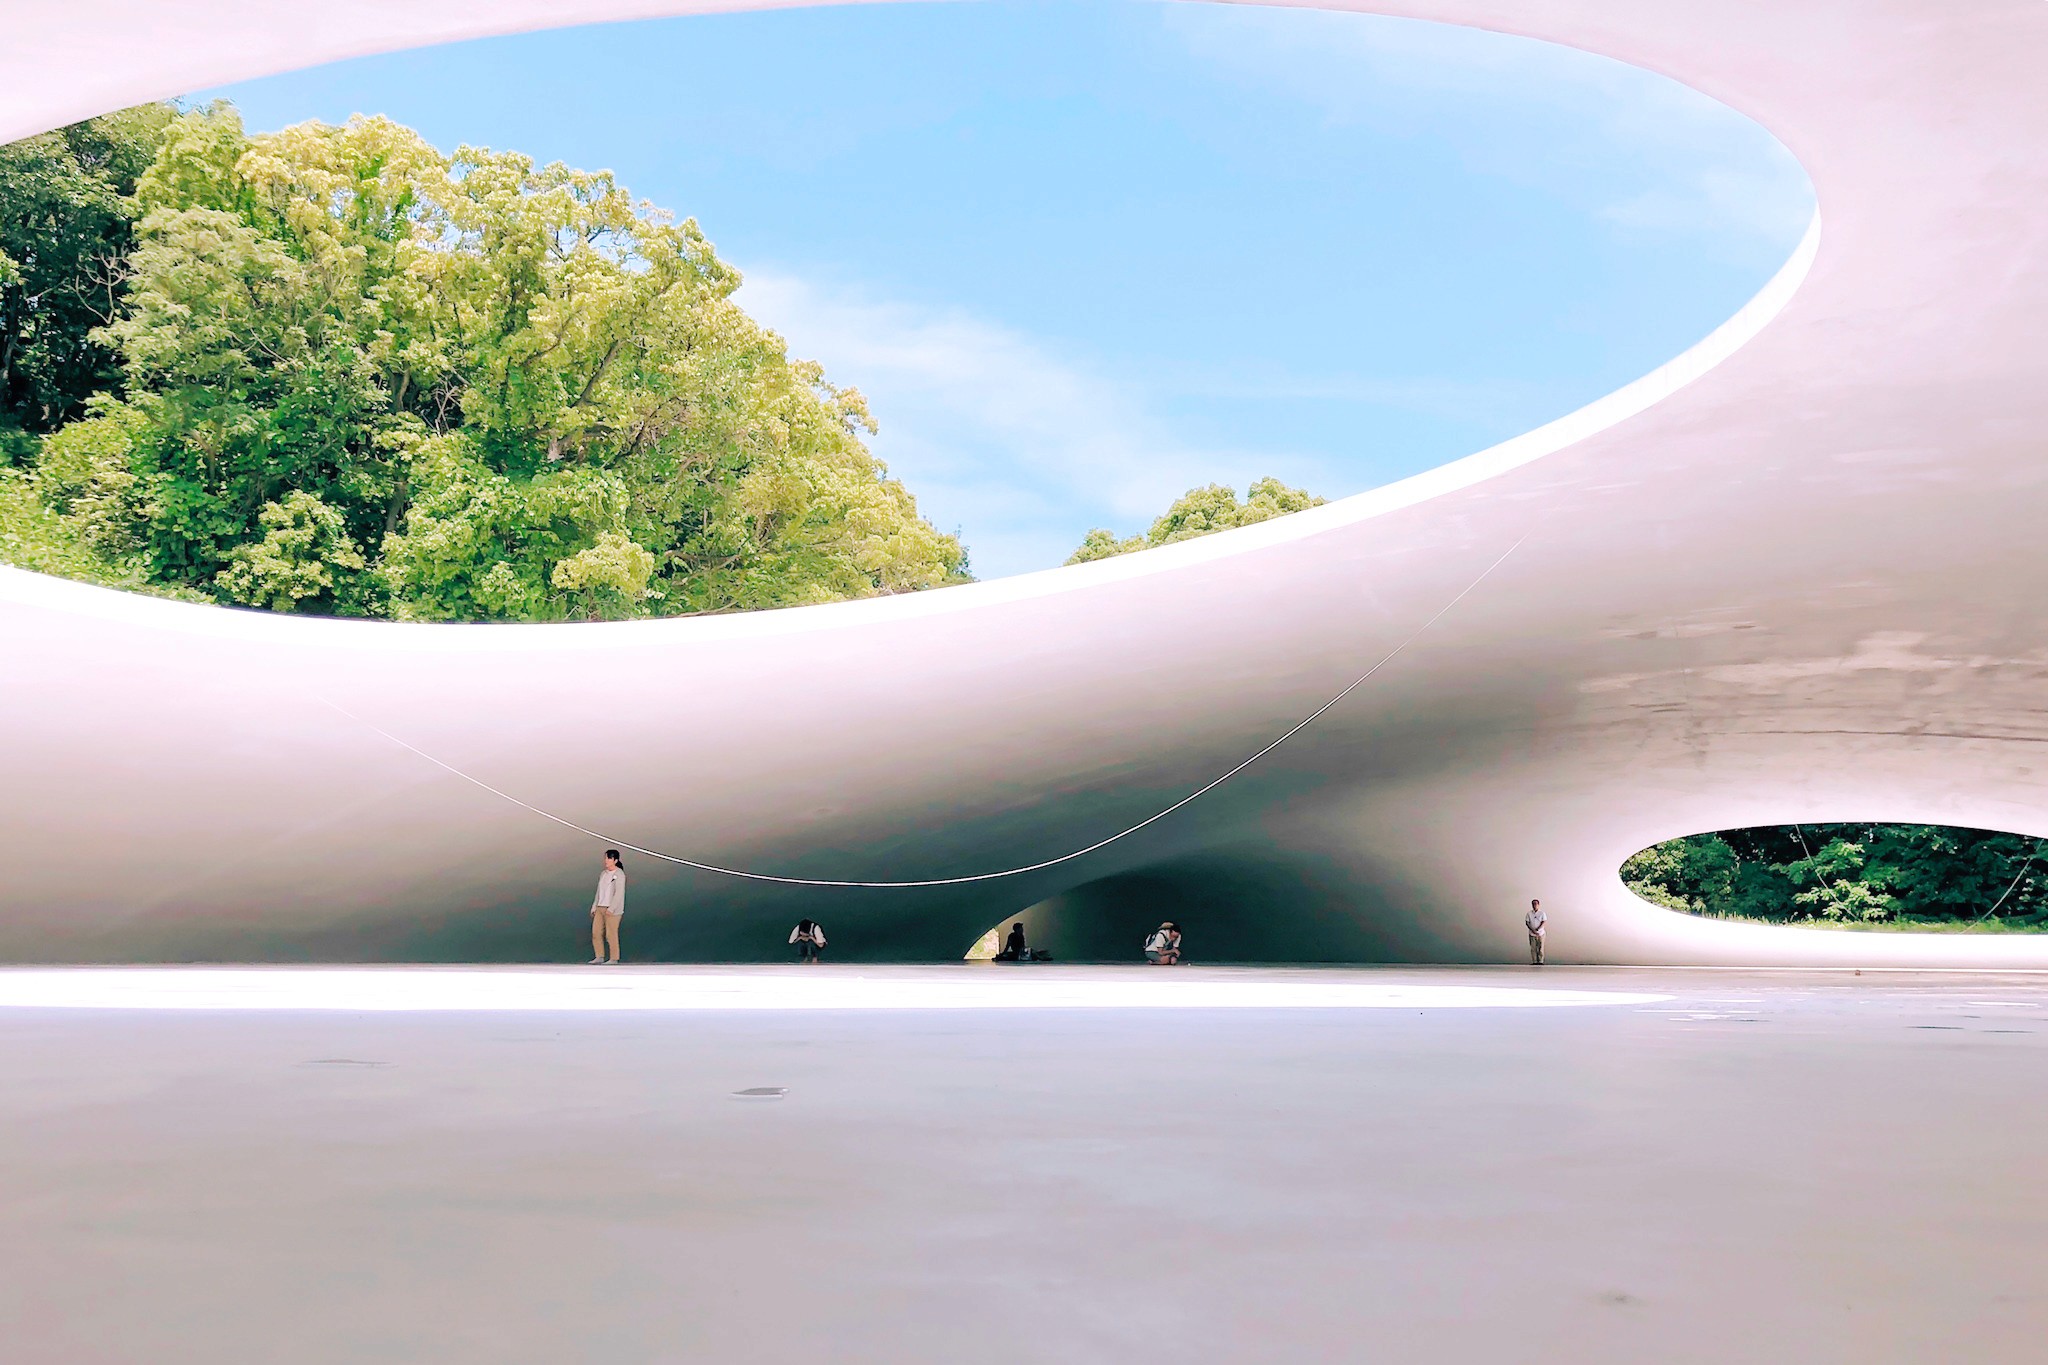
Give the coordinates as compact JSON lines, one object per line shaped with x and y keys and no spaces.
{"x":611,"y":891}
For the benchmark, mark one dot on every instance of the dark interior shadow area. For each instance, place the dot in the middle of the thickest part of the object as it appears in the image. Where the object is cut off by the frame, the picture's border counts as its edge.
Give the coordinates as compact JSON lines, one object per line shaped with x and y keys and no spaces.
{"x":1231,"y":908}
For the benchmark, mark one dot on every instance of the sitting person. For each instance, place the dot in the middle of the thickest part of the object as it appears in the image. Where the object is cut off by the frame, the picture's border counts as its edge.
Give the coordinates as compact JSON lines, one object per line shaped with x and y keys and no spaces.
{"x":1162,"y":949}
{"x":809,"y":938}
{"x":1013,"y":946}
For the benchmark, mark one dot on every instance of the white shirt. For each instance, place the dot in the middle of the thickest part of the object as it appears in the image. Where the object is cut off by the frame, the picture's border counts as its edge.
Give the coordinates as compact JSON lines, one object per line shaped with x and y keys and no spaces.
{"x":1534,"y":919}
{"x":817,"y":934}
{"x":611,"y":890}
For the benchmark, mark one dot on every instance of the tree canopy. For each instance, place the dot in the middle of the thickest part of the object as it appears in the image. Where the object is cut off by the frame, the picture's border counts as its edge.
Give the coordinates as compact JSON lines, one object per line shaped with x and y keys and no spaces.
{"x":332,"y":369}
{"x":1847,"y":874}
{"x":1200,"y":512}
{"x":65,"y":229}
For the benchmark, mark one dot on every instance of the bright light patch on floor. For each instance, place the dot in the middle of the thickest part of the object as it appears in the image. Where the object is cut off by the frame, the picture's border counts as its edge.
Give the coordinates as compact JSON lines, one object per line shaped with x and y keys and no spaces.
{"x":773,"y":988}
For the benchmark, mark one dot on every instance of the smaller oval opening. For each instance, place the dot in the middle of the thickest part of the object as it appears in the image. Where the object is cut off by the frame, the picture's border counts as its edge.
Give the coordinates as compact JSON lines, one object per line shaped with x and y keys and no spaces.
{"x":1911,"y":878}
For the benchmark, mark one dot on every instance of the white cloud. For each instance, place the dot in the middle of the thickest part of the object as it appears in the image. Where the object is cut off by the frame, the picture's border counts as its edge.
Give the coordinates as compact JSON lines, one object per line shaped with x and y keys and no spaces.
{"x":1643,"y":151}
{"x":1021,"y":450}
{"x":1487,"y":401}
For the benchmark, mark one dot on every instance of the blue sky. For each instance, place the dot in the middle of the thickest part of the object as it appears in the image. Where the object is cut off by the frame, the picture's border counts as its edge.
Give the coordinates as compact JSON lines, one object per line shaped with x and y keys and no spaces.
{"x":1082,"y":255}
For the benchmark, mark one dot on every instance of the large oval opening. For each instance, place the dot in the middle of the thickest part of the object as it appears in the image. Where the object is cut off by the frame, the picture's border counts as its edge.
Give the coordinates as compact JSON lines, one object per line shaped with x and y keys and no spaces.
{"x":1111,"y":279}
{"x":1854,"y":876}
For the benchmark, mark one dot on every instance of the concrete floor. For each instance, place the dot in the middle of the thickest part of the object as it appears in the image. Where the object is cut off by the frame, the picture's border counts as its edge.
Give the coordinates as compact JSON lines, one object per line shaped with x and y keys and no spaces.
{"x":1757,"y":1167}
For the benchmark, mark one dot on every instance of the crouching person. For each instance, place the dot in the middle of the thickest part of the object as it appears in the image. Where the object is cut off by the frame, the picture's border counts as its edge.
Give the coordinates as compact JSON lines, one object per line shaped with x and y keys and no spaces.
{"x":1162,"y":949}
{"x":809,"y":938}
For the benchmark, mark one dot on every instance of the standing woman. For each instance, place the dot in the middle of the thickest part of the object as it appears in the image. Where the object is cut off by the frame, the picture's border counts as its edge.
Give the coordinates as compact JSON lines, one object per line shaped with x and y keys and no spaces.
{"x":607,"y":908}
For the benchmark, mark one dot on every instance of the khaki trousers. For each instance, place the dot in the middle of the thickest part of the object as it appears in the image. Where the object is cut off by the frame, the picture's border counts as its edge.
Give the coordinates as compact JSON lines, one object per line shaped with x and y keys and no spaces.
{"x":604,"y":931}
{"x":1535,"y":948}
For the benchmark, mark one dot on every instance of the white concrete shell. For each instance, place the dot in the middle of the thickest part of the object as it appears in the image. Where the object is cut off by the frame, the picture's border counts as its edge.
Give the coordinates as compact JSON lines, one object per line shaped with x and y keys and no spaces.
{"x":1795,"y":575}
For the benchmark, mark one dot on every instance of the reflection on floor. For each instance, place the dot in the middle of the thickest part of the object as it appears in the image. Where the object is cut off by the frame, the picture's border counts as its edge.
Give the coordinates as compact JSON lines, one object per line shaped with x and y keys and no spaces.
{"x":1700,"y":1166}
{"x":814,"y":987}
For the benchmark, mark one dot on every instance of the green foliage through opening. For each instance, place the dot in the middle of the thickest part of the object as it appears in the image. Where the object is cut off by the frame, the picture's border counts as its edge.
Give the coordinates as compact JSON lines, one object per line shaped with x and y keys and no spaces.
{"x":1200,"y":512}
{"x":1868,"y":875}
{"x":334,"y":370}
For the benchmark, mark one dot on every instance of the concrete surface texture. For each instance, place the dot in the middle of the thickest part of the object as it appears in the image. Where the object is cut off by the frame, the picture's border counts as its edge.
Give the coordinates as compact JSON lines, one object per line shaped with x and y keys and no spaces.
{"x":1678,"y":1166}
{"x":1792,"y":576}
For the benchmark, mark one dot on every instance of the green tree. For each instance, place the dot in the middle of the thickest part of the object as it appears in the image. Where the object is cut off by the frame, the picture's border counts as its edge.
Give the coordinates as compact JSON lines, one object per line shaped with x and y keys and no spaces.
{"x":1836,"y":884}
{"x":1857,"y":873}
{"x":65,"y":232}
{"x":1940,"y":872}
{"x":1696,"y":874}
{"x":364,"y":377}
{"x":1199,"y":512}
{"x":1102,"y":543}
{"x":304,"y":543}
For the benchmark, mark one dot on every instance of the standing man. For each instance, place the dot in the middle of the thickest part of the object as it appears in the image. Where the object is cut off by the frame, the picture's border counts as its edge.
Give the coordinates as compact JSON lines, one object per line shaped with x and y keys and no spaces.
{"x":1535,"y":921}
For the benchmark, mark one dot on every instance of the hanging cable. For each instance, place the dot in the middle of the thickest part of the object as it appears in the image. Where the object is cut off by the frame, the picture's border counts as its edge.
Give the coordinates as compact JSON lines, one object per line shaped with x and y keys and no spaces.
{"x":746,"y":875}
{"x":2012,"y":888}
{"x":1818,"y":875}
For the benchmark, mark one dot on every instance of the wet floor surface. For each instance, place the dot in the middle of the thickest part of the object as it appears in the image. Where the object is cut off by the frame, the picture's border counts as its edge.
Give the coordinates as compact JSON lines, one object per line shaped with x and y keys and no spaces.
{"x":1428,"y":1164}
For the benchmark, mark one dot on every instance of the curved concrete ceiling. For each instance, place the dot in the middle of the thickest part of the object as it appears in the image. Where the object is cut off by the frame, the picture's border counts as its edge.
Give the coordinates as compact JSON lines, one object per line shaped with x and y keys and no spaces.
{"x":1794,"y":576}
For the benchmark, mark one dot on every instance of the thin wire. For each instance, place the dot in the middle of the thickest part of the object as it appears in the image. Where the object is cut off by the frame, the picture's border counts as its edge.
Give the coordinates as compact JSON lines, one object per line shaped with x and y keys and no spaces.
{"x":2015,"y":884}
{"x":1820,"y":876}
{"x":742,"y":873}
